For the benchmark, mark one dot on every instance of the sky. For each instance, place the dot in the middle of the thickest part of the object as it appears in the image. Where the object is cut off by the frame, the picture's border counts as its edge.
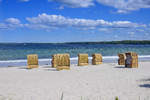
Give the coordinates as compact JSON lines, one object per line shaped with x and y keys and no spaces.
{"x":74,"y":20}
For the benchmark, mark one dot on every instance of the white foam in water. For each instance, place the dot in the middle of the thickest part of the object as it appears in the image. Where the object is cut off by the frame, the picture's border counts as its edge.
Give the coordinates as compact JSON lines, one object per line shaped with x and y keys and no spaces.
{"x":144,"y":56}
{"x":110,"y":57}
{"x":8,"y":61}
{"x":104,"y":57}
{"x":75,"y":58}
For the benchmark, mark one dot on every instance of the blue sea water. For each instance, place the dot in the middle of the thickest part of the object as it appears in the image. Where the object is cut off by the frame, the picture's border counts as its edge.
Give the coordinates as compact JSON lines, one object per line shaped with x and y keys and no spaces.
{"x":15,"y":54}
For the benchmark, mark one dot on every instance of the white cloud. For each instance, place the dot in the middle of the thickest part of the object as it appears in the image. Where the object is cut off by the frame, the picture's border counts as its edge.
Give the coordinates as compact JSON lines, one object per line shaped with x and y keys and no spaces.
{"x":48,"y":22}
{"x":104,"y":29}
{"x":125,"y":6}
{"x":75,"y":3}
{"x":126,"y":24}
{"x":10,"y":23}
{"x":122,"y":11}
{"x":24,"y":0}
{"x":55,"y":21}
{"x":61,"y":7}
{"x":116,"y":36}
{"x":122,"y":6}
{"x":3,"y":26}
{"x":131,"y":33}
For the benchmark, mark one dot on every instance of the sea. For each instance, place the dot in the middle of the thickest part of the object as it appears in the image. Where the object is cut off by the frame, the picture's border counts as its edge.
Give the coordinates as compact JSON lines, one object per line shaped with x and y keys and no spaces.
{"x":15,"y":54}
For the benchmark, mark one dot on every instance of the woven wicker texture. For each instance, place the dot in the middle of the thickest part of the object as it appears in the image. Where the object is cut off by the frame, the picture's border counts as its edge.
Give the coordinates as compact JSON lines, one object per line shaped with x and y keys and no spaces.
{"x":61,"y":61}
{"x":82,"y":59}
{"x":131,"y":60}
{"x":96,"y":59}
{"x":121,"y":60}
{"x":32,"y":61}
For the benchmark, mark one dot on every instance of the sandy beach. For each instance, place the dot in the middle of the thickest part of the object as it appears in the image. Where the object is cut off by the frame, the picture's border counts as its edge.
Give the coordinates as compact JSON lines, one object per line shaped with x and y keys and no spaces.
{"x":93,"y":82}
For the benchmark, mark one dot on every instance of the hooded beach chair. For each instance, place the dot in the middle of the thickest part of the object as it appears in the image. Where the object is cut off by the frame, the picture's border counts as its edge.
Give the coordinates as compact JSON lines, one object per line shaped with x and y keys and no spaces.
{"x":131,"y":60}
{"x":32,"y":61}
{"x":96,"y":59}
{"x":83,"y":59}
{"x":121,"y":60}
{"x":61,"y":61}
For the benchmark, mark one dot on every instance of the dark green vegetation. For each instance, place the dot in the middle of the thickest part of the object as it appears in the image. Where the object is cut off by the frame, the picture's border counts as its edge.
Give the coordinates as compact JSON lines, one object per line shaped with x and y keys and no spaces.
{"x":115,"y":42}
{"x":101,"y":42}
{"x":116,"y":98}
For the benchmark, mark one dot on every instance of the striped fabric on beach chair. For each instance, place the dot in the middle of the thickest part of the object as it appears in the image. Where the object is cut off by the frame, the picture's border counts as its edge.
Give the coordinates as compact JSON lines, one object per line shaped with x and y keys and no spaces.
{"x":32,"y":61}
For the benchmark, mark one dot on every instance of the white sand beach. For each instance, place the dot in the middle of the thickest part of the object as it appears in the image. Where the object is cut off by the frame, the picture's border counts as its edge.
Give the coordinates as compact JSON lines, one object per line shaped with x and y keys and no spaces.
{"x":93,"y":82}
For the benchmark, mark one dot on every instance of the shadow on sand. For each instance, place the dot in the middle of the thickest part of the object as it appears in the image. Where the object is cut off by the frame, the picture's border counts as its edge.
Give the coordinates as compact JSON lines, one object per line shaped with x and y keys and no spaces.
{"x":120,"y":67}
{"x":46,"y":68}
{"x":24,"y":68}
{"x":146,"y":79}
{"x":51,"y":69}
{"x":145,"y":85}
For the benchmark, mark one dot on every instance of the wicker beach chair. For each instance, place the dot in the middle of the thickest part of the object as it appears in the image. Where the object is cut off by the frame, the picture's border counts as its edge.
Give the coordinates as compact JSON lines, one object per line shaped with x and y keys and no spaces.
{"x":32,"y":61}
{"x":54,"y":60}
{"x":61,"y":61}
{"x":131,"y":60}
{"x":82,"y":59}
{"x":96,"y":59}
{"x":121,"y":60}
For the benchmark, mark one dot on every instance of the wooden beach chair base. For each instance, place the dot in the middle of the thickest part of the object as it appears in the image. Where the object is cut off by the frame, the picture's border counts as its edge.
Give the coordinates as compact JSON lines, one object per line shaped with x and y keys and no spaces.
{"x":83,"y":64}
{"x":63,"y":68}
{"x":97,"y":63}
{"x":32,"y":66}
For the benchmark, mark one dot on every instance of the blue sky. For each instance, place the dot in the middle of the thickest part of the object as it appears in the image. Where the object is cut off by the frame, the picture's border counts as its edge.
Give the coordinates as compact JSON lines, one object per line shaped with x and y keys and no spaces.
{"x":74,"y":20}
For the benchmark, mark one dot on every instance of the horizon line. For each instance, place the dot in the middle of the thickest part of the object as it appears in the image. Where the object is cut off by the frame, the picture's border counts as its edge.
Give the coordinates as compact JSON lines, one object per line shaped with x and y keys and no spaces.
{"x":82,"y":41}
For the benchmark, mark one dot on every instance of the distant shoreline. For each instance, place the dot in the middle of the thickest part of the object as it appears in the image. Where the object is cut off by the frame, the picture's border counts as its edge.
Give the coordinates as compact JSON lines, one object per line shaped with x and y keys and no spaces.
{"x":100,"y":42}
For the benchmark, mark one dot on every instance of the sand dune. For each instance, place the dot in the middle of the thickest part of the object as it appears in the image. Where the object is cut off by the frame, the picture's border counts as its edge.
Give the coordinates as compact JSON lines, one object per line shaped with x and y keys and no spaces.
{"x":102,"y":82}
